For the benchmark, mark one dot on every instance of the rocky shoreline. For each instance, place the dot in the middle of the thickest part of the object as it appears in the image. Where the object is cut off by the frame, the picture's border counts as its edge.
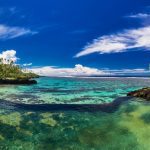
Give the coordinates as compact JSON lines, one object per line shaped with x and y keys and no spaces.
{"x":141,"y":93}
{"x":17,"y":81}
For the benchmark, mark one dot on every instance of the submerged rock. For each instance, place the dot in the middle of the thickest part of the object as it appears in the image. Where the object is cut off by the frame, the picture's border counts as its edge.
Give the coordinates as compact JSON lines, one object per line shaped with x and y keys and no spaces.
{"x":142,"y":93}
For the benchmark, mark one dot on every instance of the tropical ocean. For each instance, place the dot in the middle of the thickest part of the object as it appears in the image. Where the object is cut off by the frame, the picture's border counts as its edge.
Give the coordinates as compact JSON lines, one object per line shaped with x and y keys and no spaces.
{"x":74,"y":114}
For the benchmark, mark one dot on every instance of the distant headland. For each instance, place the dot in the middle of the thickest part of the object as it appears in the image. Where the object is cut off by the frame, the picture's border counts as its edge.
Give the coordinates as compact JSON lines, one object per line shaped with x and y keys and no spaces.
{"x":10,"y":73}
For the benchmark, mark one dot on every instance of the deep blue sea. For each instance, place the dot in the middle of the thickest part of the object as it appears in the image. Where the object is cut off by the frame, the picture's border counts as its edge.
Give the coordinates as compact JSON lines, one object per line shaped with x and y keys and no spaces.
{"x":74,"y":114}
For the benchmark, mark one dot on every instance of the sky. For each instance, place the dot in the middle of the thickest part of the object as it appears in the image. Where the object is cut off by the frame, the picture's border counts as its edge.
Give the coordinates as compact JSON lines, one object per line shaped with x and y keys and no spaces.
{"x":77,"y":37}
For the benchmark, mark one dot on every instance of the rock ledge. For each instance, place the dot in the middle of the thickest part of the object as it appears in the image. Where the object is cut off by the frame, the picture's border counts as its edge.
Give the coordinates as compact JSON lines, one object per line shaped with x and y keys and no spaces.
{"x":141,"y":93}
{"x":16,"y":81}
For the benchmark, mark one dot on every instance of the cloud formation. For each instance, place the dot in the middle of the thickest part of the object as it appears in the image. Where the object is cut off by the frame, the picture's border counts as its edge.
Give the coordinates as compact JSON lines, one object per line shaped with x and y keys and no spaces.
{"x":82,"y":71}
{"x":29,"y":64}
{"x":137,"y":71}
{"x":8,"y":32}
{"x":119,"y":42}
{"x":140,"y":16}
{"x":78,"y":70}
{"x":8,"y":55}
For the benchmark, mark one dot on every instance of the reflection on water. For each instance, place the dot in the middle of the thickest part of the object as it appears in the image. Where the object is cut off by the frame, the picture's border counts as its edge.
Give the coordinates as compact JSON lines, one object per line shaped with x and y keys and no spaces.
{"x":125,"y":128}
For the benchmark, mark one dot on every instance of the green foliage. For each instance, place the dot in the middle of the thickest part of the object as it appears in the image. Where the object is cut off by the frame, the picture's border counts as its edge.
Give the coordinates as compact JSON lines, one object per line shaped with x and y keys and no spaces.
{"x":12,"y":71}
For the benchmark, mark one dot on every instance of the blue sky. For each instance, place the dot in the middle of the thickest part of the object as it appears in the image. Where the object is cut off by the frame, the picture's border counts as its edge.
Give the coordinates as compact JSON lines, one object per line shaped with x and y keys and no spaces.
{"x":109,"y":35}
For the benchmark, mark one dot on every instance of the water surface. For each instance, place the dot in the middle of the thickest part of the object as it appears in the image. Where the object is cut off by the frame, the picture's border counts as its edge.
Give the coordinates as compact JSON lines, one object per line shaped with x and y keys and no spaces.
{"x":72,"y":90}
{"x":29,"y":122}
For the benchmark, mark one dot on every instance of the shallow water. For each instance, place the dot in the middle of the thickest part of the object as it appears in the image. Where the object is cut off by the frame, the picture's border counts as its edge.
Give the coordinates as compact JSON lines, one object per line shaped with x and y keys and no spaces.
{"x":72,"y":90}
{"x":125,"y":126}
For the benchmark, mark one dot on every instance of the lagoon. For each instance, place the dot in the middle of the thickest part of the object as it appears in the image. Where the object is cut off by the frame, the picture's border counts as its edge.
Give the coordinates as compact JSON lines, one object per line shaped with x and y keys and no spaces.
{"x":29,"y":122}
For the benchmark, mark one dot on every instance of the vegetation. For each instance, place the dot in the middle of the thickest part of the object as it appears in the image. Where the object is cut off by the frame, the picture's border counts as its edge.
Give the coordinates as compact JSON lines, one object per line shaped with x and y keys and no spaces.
{"x":11,"y":71}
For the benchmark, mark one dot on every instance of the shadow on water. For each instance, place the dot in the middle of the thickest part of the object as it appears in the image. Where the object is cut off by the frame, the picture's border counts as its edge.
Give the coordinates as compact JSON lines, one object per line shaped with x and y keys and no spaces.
{"x":107,"y":107}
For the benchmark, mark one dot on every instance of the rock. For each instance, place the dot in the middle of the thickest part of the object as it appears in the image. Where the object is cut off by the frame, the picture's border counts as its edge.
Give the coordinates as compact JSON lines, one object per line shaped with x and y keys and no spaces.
{"x":141,"y":93}
{"x":15,"y":81}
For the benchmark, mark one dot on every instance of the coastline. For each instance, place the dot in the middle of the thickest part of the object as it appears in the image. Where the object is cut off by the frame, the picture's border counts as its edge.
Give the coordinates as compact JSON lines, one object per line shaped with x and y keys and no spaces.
{"x":99,"y":77}
{"x":17,"y":82}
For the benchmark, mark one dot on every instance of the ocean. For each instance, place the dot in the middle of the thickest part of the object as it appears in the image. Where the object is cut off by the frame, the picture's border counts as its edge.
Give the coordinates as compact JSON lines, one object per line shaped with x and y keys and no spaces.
{"x":74,"y":114}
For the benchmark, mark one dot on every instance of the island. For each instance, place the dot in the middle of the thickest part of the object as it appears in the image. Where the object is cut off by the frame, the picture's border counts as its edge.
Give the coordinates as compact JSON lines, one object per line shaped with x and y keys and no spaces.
{"x":11,"y":73}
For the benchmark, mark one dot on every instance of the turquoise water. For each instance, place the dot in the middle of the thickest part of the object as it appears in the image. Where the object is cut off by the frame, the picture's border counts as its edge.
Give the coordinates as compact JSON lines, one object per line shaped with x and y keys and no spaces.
{"x":28,"y":121}
{"x":73,"y":90}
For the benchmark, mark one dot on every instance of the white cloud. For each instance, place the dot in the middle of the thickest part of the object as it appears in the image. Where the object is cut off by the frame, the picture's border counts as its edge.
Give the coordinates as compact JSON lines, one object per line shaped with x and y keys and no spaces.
{"x":129,"y":71}
{"x":8,"y":32}
{"x":78,"y":70}
{"x":8,"y":55}
{"x":29,"y":64}
{"x":140,"y":16}
{"x":82,"y":71}
{"x":119,"y":42}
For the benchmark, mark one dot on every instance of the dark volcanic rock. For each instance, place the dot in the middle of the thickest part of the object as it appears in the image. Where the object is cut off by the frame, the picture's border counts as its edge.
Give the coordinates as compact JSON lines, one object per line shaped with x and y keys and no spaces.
{"x":27,"y":82}
{"x":142,"y":93}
